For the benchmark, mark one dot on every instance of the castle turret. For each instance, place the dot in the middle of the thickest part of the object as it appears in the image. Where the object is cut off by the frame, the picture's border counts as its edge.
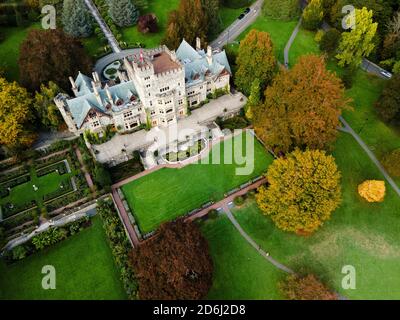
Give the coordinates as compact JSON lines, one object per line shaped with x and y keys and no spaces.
{"x":74,"y":87}
{"x":61,"y":102}
{"x":198,"y":44}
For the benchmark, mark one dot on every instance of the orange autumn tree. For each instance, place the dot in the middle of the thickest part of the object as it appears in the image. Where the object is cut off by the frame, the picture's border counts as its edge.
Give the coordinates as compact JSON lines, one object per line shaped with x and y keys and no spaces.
{"x":305,"y":288}
{"x":302,"y":107}
{"x":372,"y":190}
{"x":303,"y":191}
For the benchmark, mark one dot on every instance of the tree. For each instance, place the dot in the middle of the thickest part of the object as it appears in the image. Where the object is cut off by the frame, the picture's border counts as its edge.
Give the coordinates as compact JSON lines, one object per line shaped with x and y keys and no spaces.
{"x":188,"y":22}
{"x":305,"y":288}
{"x":330,"y":41}
{"x":254,"y":99}
{"x":102,"y":176}
{"x":313,"y":15}
{"x":301,"y":107}
{"x":123,"y":12}
{"x":391,"y":162}
{"x":256,"y":59}
{"x":281,"y":9}
{"x":388,"y":104}
{"x":51,"y":55}
{"x":174,"y":264}
{"x":142,"y":5}
{"x":46,"y":109}
{"x":148,"y":23}
{"x":76,"y":19}
{"x":357,"y":43}
{"x":303,"y":190}
{"x":211,"y":10}
{"x":372,"y":190}
{"x":15,"y":115}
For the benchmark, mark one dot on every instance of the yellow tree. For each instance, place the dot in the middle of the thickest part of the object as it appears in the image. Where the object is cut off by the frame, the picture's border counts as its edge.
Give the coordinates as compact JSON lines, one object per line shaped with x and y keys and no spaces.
{"x":357,"y":43}
{"x":15,"y":115}
{"x":303,"y":191}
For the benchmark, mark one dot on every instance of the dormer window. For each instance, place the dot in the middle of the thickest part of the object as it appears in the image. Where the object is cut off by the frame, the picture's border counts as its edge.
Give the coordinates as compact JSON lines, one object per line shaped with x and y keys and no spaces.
{"x":108,"y":106}
{"x":119,"y":102}
{"x":133,"y":98}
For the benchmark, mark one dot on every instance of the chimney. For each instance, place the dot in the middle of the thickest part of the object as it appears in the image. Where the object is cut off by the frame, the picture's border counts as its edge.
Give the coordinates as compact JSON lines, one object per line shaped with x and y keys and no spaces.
{"x":209,"y":55}
{"x":74,"y":87}
{"x":110,"y":99}
{"x":198,"y":44}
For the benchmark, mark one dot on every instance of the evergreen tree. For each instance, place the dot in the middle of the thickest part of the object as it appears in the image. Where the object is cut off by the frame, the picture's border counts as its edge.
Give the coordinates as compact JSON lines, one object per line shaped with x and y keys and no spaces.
{"x":142,"y":5}
{"x":211,"y":10}
{"x":76,"y":19}
{"x":45,"y":108}
{"x":123,"y":12}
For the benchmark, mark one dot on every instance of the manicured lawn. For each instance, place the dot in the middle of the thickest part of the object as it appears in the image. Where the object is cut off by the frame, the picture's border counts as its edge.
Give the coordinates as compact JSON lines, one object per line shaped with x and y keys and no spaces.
{"x":302,"y":45}
{"x":93,"y":45}
{"x":169,"y":193}
{"x":161,"y":9}
{"x":239,"y":271}
{"x":9,"y":49}
{"x":359,"y":234}
{"x":279,"y":31}
{"x":84,"y":266}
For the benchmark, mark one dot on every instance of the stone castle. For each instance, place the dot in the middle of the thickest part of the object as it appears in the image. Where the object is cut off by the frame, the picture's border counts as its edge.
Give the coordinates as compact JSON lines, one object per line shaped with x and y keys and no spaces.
{"x":155,"y":88}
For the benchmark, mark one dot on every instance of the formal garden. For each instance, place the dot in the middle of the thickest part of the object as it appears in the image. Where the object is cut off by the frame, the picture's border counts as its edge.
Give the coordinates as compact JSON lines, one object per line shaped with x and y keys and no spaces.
{"x":48,"y":180}
{"x":169,"y":193}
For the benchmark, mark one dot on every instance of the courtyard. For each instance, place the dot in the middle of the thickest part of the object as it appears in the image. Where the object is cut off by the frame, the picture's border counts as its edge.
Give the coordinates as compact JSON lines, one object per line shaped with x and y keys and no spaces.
{"x":169,"y":193}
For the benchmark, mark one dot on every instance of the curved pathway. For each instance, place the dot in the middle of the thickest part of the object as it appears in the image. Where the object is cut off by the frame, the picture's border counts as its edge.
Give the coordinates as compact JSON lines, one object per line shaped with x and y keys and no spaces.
{"x":290,"y":42}
{"x":253,"y":243}
{"x":371,"y":155}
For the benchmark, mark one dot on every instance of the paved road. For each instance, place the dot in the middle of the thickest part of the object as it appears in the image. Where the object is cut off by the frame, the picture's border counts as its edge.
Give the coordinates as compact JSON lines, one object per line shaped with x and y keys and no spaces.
{"x":236,"y":28}
{"x":366,"y":65}
{"x":103,"y":26}
{"x":363,"y":145}
{"x":112,"y":57}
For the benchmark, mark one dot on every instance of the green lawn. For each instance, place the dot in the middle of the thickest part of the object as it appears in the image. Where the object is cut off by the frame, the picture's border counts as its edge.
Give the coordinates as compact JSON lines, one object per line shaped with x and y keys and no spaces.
{"x":279,"y":31}
{"x":359,"y":234}
{"x":302,"y":45}
{"x":84,"y":266}
{"x":9,"y":49}
{"x":161,"y":9}
{"x":239,"y":271}
{"x":169,"y":193}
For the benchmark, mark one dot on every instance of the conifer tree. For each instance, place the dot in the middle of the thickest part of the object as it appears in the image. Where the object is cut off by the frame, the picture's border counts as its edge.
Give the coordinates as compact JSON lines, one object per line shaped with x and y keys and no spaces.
{"x":76,"y":19}
{"x":123,"y":12}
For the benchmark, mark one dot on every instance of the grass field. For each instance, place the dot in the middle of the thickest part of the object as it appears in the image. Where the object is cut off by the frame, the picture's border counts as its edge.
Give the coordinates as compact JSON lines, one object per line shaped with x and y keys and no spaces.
{"x":359,"y":234}
{"x":84,"y":266}
{"x":302,"y":45}
{"x":239,"y":271}
{"x":9,"y":49}
{"x":161,"y":9}
{"x":279,"y":31}
{"x":168,"y":193}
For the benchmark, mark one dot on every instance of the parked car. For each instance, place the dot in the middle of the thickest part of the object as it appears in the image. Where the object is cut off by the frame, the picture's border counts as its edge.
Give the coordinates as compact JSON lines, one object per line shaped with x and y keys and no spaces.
{"x":247,"y":10}
{"x":386,"y":74}
{"x":241,"y":16}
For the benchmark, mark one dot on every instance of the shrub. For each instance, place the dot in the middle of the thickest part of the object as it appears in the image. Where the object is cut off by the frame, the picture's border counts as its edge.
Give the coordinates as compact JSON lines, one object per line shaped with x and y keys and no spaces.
{"x":330,"y":41}
{"x":391,"y":162}
{"x":238,"y":201}
{"x":372,"y":190}
{"x":148,"y":23}
{"x":19,"y":252}
{"x":49,"y":237}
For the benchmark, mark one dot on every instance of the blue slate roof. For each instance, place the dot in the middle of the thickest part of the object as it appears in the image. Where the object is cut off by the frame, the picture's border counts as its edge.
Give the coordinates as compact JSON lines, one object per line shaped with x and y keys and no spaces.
{"x":196,"y":64}
{"x":81,"y":105}
{"x":84,"y":84}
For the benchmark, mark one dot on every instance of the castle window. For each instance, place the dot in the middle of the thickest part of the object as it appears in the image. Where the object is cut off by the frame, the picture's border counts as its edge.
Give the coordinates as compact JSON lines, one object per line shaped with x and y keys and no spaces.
{"x":95,"y":124}
{"x":180,"y":102}
{"x":148,"y":85}
{"x":170,"y":110}
{"x":152,"y":112}
{"x":128,"y":114}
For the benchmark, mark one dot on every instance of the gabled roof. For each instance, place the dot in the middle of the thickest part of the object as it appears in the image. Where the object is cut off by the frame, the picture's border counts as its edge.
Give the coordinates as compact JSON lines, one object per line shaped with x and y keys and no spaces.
{"x":84,"y":84}
{"x":186,"y":52}
{"x":81,"y":105}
